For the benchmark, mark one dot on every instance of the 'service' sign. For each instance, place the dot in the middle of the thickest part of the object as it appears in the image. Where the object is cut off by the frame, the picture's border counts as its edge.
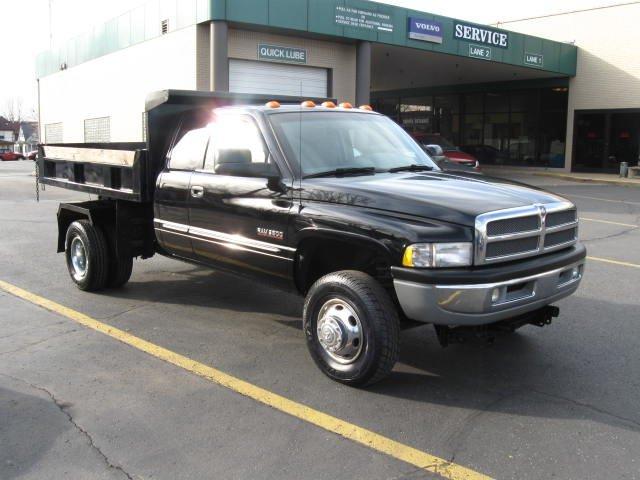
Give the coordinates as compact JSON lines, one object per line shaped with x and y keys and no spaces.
{"x":477,"y":34}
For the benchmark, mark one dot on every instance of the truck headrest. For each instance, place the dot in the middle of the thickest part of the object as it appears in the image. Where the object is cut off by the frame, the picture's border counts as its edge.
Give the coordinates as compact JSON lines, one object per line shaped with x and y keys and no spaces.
{"x":233,"y":155}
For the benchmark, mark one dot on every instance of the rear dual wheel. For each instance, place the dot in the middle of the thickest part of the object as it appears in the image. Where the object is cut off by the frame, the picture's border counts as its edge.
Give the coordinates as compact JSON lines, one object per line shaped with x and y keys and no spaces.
{"x":351,"y":327}
{"x":91,"y":265}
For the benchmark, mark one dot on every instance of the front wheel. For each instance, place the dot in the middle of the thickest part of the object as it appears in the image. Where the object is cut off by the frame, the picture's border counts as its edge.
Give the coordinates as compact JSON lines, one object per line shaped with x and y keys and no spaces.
{"x":351,"y":328}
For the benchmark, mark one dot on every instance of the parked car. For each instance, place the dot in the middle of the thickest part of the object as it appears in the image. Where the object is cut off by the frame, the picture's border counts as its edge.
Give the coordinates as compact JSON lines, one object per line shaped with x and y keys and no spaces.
{"x":451,"y":153}
{"x":8,"y":156}
{"x":486,"y":154}
{"x":339,"y":205}
{"x":32,"y":155}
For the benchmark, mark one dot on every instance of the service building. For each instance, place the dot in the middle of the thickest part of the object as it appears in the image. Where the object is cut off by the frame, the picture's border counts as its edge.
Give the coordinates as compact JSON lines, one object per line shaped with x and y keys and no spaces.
{"x":543,"y":93}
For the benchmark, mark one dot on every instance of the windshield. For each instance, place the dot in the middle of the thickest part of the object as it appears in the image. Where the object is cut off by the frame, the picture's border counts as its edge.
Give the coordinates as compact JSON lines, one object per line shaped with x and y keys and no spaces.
{"x":317,"y":142}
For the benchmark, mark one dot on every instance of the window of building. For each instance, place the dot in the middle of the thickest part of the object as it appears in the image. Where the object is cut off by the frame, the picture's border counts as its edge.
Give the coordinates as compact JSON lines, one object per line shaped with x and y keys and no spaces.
{"x":416,"y":114}
{"x":97,"y":130}
{"x":188,"y":153}
{"x":144,"y":126}
{"x":53,"y":133}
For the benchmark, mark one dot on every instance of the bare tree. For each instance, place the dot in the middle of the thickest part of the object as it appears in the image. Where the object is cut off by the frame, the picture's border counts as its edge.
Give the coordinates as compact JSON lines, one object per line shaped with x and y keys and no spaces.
{"x":13,"y":110}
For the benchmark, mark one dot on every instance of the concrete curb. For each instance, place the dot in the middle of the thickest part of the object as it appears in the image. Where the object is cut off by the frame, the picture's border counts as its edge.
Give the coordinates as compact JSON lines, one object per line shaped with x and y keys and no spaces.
{"x":565,"y":176}
{"x":628,"y":183}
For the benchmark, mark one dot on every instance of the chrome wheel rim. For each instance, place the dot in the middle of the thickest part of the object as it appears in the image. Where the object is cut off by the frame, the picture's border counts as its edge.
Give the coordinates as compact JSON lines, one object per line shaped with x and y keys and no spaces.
{"x":78,"y":256}
{"x":339,"y":331}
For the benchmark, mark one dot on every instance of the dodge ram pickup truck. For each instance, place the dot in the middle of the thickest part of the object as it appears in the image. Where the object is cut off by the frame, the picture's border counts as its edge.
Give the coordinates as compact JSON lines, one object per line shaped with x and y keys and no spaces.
{"x":336,"y":203}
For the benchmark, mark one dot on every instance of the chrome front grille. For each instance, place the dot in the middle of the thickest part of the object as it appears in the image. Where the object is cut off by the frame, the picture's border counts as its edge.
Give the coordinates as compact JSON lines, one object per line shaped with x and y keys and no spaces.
{"x":514,"y":233}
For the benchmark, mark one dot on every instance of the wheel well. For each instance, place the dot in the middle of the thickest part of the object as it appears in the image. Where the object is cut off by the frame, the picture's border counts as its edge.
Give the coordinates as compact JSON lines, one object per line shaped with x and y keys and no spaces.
{"x":320,"y":256}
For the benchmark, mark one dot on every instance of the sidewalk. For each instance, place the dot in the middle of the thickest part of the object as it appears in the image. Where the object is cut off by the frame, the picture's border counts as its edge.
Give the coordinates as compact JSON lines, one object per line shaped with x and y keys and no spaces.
{"x":609,"y":178}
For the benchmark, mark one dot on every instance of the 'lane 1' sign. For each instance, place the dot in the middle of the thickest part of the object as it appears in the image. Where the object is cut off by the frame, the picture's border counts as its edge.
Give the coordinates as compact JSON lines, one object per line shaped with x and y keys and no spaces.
{"x":534,"y":60}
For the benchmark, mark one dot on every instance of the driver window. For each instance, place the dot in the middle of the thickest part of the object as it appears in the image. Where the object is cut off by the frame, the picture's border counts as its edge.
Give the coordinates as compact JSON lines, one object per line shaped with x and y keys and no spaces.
{"x":236,"y":148}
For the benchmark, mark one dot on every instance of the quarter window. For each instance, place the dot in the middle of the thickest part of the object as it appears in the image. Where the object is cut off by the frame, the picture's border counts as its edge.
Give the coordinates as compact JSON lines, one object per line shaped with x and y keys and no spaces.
{"x":188,"y":154}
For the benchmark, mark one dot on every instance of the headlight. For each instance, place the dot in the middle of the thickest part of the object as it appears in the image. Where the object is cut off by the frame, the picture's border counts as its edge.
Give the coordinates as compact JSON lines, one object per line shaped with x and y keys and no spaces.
{"x":434,"y":255}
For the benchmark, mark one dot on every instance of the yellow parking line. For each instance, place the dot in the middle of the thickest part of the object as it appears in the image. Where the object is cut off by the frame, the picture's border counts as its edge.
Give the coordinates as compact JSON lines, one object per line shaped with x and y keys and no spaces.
{"x":614,"y":262}
{"x":608,"y":222}
{"x":327,"y":422}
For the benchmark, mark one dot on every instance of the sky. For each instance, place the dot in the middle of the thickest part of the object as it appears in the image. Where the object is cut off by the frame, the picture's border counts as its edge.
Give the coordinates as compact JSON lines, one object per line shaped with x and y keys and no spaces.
{"x":25,"y":30}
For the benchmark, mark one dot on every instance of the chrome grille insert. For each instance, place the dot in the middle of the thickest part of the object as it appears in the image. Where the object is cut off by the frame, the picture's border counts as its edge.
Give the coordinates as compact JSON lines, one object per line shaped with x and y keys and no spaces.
{"x":514,"y":233}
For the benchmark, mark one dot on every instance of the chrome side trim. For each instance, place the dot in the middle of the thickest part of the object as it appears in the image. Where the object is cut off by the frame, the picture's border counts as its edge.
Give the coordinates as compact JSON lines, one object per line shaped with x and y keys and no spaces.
{"x":227,"y":245}
{"x":223,"y":238}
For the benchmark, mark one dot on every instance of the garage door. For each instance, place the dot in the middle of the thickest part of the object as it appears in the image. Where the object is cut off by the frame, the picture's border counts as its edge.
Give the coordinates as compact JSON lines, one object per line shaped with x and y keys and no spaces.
{"x":246,"y":76}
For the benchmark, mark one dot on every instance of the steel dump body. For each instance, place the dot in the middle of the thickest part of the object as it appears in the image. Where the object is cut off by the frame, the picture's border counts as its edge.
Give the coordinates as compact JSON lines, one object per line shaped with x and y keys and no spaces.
{"x":128,"y":170}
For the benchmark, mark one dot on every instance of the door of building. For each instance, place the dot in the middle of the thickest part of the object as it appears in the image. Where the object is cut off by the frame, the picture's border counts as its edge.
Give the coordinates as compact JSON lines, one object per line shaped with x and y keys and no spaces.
{"x":248,"y":76}
{"x":604,"y":138}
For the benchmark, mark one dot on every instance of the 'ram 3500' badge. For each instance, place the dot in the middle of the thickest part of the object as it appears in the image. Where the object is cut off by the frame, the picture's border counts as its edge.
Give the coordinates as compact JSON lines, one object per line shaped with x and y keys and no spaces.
{"x":270,"y":233}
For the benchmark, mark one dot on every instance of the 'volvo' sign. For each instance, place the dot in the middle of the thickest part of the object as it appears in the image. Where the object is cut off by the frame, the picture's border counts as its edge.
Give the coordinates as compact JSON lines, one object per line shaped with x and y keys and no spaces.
{"x":282,"y":54}
{"x":473,"y":33}
{"x":425,"y":30}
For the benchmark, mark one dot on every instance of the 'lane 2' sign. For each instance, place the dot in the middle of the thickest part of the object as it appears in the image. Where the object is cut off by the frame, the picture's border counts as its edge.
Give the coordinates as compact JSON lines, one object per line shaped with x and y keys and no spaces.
{"x":425,"y":30}
{"x":282,"y":54}
{"x":473,"y":33}
{"x":478,"y":51}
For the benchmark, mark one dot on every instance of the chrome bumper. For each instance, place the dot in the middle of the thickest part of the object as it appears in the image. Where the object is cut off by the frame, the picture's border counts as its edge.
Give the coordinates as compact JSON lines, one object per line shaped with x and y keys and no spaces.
{"x":485,"y":303}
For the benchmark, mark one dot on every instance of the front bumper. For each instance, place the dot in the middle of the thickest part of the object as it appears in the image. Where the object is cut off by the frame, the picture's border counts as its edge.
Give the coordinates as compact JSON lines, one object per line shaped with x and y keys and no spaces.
{"x":479,"y":303}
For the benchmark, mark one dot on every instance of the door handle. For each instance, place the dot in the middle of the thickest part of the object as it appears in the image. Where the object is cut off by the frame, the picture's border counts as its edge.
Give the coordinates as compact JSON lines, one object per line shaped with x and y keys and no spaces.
{"x":197,"y":191}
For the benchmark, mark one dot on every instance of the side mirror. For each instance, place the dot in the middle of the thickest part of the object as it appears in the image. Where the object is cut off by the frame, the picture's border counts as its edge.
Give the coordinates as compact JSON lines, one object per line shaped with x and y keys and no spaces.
{"x":435,"y":150}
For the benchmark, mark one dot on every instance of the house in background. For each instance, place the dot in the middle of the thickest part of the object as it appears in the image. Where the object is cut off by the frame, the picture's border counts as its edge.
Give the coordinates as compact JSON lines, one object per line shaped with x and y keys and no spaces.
{"x":27,"y":138}
{"x":8,"y":134}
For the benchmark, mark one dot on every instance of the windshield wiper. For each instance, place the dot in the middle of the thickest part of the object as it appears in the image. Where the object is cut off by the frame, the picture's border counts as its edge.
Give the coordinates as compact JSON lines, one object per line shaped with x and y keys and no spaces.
{"x":342,"y":171}
{"x":411,"y":168}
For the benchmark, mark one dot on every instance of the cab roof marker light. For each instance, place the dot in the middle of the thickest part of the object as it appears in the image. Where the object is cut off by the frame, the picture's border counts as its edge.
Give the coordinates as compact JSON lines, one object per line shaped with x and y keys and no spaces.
{"x":366,"y":107}
{"x":345,"y":105}
{"x":308,"y":104}
{"x":272,"y":104}
{"x":328,"y":104}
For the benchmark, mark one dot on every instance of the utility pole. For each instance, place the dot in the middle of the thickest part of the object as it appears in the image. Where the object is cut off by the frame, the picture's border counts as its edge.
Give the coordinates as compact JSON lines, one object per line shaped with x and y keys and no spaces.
{"x":50,"y":24}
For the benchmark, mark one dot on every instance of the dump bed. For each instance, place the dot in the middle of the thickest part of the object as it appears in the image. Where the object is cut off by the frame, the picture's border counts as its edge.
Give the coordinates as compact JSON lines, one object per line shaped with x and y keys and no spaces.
{"x":114,"y":170}
{"x":128,"y":171}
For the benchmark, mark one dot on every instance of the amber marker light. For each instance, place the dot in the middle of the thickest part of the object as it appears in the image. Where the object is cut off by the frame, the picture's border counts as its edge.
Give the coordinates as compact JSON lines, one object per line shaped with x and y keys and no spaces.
{"x":366,"y":107}
{"x":346,"y":105}
{"x":328,"y":104}
{"x":272,"y":104}
{"x":308,"y":104}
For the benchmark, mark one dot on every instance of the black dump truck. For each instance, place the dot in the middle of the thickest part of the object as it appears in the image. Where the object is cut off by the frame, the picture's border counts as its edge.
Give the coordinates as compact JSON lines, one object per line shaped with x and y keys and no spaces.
{"x":336,"y":203}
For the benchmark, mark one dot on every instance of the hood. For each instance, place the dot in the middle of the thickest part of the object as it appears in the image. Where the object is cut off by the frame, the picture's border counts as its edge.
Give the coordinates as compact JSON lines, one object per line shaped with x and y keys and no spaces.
{"x":449,"y":197}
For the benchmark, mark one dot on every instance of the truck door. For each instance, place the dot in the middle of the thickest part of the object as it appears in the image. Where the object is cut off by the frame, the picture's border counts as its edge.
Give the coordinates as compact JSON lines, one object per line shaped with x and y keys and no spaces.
{"x":239,"y":206}
{"x":173,"y":192}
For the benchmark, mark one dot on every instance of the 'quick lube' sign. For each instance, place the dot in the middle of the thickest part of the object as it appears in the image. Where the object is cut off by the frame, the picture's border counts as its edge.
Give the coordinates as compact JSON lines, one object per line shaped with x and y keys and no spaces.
{"x":425,"y":30}
{"x":282,"y":54}
{"x":487,"y":36}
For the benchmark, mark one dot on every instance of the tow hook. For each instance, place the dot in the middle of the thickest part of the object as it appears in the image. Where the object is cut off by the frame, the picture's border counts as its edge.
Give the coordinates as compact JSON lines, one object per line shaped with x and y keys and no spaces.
{"x":488,"y":333}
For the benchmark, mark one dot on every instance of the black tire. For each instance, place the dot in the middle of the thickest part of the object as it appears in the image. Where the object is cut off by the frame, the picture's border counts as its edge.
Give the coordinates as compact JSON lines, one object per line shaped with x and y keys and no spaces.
{"x":96,"y":253}
{"x":378,"y":320}
{"x":119,"y":272}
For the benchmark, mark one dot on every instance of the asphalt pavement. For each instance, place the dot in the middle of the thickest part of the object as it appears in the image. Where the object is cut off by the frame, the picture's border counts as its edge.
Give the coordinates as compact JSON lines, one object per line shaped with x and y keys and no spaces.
{"x":554,"y":402}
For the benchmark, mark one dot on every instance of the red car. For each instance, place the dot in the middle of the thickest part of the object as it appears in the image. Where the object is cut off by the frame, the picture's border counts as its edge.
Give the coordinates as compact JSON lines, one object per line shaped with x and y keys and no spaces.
{"x":7,"y":156}
{"x":450,"y":153}
{"x":32,"y":155}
